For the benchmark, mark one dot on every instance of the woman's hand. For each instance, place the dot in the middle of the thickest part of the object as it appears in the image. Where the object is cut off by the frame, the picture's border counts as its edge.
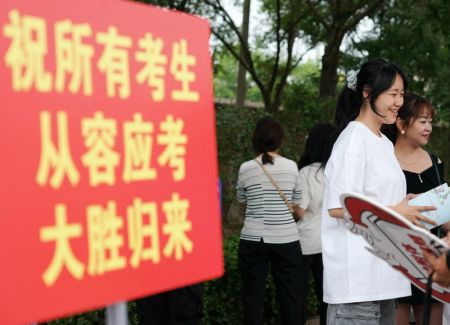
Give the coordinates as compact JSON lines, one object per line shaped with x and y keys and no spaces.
{"x":300,"y":212}
{"x":446,"y":238}
{"x":439,"y":265}
{"x":446,"y":227}
{"x":412,"y":212}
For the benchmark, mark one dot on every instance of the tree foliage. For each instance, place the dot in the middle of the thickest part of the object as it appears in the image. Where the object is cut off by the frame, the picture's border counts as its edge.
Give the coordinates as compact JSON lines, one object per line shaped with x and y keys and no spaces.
{"x":271,"y":59}
{"x":416,"y":36}
{"x":329,"y":22}
{"x":189,"y":6}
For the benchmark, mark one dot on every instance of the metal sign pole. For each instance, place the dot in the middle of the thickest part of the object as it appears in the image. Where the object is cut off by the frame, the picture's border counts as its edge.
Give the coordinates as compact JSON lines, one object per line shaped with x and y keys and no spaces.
{"x":117,"y":314}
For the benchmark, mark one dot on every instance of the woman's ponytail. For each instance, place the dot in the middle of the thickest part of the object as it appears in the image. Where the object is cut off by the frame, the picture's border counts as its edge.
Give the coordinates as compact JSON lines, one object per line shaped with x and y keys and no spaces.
{"x":266,"y":158}
{"x":347,"y":108}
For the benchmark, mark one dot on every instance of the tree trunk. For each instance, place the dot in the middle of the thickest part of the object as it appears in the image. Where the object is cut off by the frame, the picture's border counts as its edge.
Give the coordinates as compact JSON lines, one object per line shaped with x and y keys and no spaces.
{"x":328,"y":75}
{"x":241,"y":81}
{"x":268,"y":102}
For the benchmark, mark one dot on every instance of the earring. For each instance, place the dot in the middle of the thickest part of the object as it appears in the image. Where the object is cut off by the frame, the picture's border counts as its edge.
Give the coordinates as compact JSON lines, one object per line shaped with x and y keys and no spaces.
{"x":402,"y":131}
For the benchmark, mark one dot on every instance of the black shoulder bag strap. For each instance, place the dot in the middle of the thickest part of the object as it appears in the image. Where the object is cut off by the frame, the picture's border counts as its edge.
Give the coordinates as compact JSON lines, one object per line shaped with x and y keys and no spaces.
{"x":435,"y":164}
{"x":427,"y":302}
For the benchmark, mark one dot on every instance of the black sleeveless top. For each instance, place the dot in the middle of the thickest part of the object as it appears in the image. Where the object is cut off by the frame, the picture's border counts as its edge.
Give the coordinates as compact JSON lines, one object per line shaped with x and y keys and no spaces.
{"x":426,"y":180}
{"x":418,"y":183}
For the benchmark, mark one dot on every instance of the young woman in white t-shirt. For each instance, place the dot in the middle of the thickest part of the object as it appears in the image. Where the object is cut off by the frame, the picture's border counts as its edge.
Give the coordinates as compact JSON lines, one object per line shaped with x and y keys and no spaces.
{"x":359,"y":287}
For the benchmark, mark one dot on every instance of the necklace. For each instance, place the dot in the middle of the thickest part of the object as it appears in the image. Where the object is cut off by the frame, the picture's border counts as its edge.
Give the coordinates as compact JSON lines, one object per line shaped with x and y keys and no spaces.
{"x":413,"y":163}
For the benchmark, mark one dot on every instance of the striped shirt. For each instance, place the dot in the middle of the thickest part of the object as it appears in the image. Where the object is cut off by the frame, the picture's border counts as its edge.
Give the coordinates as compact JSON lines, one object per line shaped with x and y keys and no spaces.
{"x":266,"y":214}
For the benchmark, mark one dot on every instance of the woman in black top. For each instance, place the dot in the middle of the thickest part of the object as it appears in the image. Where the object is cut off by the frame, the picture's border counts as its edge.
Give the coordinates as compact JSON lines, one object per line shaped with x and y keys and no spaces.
{"x":423,"y":171}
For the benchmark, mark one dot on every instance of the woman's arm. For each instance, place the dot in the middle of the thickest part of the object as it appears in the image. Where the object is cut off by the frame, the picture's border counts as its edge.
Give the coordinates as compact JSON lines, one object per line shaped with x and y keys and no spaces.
{"x":304,"y":187}
{"x":411,"y":212}
{"x":300,"y":211}
{"x":337,"y":213}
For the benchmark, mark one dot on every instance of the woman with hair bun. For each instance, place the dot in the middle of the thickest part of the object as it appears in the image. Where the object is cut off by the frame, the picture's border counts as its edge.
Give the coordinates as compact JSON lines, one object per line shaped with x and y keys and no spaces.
{"x":423,"y":171}
{"x":269,"y":238}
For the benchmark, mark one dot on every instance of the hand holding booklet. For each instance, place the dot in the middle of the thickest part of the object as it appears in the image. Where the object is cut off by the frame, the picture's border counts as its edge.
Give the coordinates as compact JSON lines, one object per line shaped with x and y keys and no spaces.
{"x":438,"y":197}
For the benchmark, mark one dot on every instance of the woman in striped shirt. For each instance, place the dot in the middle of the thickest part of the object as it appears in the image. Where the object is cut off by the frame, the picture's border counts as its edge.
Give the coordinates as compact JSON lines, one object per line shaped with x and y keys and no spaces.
{"x":269,"y":238}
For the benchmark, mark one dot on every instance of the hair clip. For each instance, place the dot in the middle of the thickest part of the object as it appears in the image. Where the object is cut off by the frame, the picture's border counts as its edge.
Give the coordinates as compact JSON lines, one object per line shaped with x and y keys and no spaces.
{"x":351,"y":79}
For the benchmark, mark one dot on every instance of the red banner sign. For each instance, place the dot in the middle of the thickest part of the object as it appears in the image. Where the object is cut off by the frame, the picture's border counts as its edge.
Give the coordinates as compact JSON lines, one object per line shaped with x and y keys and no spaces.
{"x":108,"y":172}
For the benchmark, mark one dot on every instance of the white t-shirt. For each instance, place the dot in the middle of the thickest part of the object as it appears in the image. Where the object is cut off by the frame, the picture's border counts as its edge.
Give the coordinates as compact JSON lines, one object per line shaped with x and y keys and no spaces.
{"x":311,"y":183}
{"x":267,"y":215}
{"x":364,"y":163}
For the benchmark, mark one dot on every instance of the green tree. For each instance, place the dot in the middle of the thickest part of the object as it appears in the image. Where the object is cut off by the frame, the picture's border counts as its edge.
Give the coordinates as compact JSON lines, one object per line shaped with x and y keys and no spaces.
{"x":417,"y":39}
{"x":271,"y":58}
{"x":301,"y":97}
{"x":329,"y":22}
{"x":241,"y":79}
{"x":189,"y":6}
{"x":225,"y":71}
{"x":287,"y":26}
